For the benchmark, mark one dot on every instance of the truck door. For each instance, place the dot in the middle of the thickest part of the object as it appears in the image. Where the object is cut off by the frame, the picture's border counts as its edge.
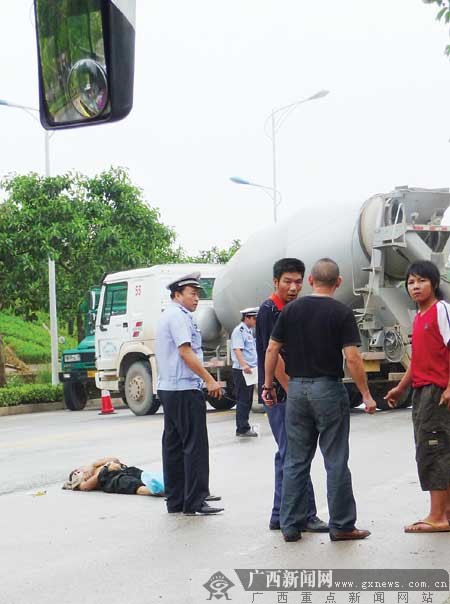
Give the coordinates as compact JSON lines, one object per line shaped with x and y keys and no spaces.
{"x":112,"y":328}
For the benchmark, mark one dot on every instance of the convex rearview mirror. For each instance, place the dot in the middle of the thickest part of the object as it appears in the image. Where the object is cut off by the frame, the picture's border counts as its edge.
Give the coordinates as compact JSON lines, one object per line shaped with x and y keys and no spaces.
{"x":86,"y":61}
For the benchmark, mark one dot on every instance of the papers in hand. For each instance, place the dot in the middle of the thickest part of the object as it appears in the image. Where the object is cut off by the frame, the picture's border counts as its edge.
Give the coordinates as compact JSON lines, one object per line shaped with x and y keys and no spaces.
{"x":251,"y":378}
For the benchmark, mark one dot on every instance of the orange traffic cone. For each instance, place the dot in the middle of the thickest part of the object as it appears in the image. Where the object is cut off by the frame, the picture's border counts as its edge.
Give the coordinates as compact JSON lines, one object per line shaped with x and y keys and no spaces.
{"x":107,"y":406}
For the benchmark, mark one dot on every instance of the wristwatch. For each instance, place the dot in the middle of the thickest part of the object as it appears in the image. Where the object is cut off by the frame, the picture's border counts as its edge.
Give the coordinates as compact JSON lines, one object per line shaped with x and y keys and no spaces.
{"x":268,"y":387}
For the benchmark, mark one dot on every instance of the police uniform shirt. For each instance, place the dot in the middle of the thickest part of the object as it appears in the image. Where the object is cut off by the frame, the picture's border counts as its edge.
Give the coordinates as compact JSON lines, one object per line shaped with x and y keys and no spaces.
{"x":176,"y":327}
{"x":242,"y":338}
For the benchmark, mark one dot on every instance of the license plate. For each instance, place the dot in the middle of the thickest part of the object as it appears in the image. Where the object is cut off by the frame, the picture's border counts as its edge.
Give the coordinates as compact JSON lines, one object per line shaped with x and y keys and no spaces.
{"x":91,"y":373}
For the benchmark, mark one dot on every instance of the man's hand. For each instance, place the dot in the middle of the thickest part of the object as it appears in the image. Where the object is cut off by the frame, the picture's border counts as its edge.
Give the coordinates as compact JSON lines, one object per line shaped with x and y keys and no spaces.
{"x":445,"y":398}
{"x":269,"y":396}
{"x":370,"y":405}
{"x":247,"y":369}
{"x":392,"y":396}
{"x":214,"y":388}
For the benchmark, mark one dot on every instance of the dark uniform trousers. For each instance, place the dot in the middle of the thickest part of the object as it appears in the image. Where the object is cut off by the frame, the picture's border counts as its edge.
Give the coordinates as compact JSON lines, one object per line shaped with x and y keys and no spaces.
{"x":244,"y":400}
{"x":185,"y":449}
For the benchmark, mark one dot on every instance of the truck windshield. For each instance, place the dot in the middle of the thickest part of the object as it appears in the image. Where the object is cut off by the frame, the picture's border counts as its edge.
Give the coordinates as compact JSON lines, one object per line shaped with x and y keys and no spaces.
{"x":207,"y":283}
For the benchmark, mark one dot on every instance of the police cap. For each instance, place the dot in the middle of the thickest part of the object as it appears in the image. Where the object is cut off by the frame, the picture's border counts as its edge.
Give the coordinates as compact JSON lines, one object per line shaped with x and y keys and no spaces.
{"x":193,"y":279}
{"x":251,"y":311}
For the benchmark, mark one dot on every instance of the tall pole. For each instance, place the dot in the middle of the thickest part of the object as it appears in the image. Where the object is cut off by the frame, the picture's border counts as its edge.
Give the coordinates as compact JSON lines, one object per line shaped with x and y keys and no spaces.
{"x":283,"y":113}
{"x":52,"y":285}
{"x":53,"y":320}
{"x":274,"y":169}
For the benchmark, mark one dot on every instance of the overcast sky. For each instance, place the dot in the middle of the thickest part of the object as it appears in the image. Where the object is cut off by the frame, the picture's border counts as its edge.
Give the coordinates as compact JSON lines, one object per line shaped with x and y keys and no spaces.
{"x":208,"y":74}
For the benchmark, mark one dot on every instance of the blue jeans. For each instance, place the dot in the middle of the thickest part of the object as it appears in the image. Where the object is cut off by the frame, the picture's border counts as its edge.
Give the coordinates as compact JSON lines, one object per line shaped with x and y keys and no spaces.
{"x":317,"y":409}
{"x":276,"y":415}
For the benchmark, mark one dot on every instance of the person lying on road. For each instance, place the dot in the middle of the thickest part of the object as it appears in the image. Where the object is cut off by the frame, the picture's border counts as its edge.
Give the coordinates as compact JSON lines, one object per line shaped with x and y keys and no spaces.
{"x":110,"y":475}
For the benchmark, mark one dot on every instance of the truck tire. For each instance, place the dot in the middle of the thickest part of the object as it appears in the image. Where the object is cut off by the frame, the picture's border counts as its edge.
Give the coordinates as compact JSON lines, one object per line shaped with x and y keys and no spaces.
{"x":139,"y":391}
{"x":223,"y":404}
{"x":379,"y":392}
{"x":75,"y":396}
{"x":354,"y":395}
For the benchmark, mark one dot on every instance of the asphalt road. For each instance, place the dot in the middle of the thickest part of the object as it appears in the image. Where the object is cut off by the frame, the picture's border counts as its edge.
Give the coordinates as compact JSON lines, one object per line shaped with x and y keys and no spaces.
{"x":64,"y":547}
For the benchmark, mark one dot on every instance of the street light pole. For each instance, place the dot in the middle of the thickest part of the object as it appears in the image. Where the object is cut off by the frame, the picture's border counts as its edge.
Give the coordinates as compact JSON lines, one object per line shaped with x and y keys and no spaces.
{"x":277,"y":117}
{"x":268,"y":190}
{"x":274,"y":168}
{"x":51,"y":263}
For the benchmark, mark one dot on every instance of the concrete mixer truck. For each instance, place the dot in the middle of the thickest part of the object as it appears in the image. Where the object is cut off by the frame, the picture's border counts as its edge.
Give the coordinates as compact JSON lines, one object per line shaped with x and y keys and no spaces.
{"x":373,"y":244}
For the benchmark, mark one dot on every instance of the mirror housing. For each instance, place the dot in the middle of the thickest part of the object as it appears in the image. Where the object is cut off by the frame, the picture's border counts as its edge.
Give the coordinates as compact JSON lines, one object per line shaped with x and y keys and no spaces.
{"x":86,"y":61}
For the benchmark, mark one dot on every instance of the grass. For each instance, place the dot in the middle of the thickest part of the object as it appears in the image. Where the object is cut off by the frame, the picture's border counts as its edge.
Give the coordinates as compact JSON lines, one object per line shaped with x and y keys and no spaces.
{"x":30,"y":341}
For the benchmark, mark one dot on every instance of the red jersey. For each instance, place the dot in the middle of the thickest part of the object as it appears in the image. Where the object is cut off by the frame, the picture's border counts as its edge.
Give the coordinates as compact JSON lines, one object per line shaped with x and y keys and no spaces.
{"x":430,"y":353}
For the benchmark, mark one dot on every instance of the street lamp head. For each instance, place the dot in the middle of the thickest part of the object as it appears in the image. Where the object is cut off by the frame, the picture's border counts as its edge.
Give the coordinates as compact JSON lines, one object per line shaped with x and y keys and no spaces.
{"x":239,"y":181}
{"x":319,"y":95}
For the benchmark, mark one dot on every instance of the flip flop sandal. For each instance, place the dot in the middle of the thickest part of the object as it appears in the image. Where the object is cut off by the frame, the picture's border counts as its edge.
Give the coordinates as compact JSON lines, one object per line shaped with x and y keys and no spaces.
{"x":432,"y":527}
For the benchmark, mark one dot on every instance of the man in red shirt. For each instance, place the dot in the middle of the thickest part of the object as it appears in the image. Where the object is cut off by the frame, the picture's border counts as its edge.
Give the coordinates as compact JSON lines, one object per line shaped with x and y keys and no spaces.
{"x":288,"y":276}
{"x":429,"y":376}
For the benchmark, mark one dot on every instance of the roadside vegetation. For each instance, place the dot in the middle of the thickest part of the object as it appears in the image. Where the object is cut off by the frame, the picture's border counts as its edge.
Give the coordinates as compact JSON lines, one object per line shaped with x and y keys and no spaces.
{"x":89,"y":226}
{"x":27,"y":353}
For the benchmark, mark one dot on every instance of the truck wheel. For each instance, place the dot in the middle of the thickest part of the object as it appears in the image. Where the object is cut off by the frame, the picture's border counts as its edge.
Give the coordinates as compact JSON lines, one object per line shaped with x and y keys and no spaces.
{"x":406,"y":399}
{"x":75,"y":396}
{"x":354,"y":395}
{"x":138,"y":389}
{"x":223,"y":404}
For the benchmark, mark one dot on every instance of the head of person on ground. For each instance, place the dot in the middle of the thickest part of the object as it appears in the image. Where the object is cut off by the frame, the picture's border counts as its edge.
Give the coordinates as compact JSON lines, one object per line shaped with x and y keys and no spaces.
{"x":422,"y":283}
{"x":325,"y":278}
{"x":288,"y":274}
{"x":185,"y":291}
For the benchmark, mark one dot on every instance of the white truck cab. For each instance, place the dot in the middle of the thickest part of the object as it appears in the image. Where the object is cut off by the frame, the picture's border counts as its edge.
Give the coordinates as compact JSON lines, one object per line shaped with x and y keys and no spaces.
{"x":131,"y":303}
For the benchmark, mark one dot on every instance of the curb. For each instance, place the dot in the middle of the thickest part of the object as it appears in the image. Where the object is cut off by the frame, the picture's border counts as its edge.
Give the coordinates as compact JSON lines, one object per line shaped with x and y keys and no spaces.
{"x":58,"y":406}
{"x":36,"y":408}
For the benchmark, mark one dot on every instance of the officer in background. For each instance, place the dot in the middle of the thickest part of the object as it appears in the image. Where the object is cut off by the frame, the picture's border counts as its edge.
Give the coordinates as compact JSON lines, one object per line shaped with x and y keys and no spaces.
{"x":180,"y":380}
{"x":243,"y":355}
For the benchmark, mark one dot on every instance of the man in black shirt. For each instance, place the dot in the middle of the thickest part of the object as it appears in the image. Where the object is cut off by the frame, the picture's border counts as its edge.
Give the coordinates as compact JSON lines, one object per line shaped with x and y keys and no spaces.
{"x":288,"y":276}
{"x":313,"y":332}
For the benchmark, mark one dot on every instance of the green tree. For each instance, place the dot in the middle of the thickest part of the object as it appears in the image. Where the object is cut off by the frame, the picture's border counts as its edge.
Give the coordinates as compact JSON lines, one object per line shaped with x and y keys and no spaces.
{"x":87,"y":225}
{"x":215,"y":255}
{"x":442,"y":15}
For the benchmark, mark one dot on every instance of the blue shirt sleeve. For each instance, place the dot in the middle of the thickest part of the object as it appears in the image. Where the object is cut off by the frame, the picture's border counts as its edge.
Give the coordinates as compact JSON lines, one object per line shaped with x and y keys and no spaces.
{"x":180,"y":329}
{"x":237,"y":338}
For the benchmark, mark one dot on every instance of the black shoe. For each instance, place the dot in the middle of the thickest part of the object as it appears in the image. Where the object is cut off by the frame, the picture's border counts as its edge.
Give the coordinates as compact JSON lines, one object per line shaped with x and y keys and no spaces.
{"x":316,"y":525}
{"x":175,"y":510}
{"x":204,"y":510}
{"x":213,"y":498}
{"x":290,"y":537}
{"x":249,"y":433}
{"x":274,"y":525}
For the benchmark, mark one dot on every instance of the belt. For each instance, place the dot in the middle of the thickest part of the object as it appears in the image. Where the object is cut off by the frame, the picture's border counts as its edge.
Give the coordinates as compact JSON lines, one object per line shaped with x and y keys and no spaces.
{"x":311,"y":380}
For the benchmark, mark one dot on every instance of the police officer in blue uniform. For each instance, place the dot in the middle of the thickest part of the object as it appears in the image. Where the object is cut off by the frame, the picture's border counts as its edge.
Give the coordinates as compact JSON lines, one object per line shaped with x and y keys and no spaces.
{"x":243,"y":355}
{"x":181,"y":376}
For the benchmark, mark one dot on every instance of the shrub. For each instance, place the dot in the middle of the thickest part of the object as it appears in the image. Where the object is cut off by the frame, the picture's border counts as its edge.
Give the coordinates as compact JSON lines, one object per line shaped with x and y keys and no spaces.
{"x":29,"y":394}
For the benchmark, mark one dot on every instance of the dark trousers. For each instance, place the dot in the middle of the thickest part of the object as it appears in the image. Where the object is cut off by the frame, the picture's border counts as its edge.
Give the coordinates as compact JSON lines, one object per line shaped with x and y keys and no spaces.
{"x":244,"y":400}
{"x":317,"y":410}
{"x":185,"y":449}
{"x":276,"y":415}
